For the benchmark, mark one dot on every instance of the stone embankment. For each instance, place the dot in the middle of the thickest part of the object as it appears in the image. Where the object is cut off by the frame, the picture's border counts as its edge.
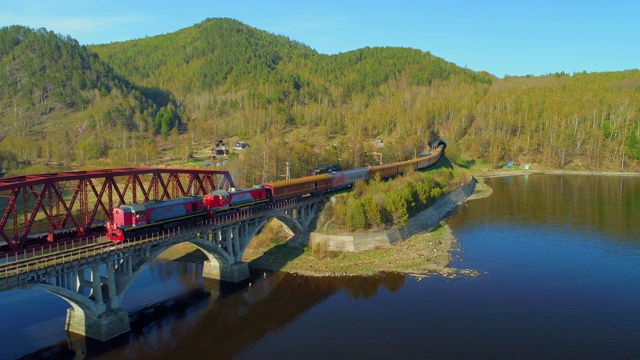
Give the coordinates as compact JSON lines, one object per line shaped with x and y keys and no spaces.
{"x":416,"y":224}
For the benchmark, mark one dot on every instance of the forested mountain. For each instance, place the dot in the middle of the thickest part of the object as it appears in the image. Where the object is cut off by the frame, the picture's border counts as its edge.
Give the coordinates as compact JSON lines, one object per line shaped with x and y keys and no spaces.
{"x":583,"y":121}
{"x":59,"y":102}
{"x":170,"y":97}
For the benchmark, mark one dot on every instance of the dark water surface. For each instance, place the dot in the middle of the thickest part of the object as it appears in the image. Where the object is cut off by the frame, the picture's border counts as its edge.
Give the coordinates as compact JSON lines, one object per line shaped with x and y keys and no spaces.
{"x":559,"y":264}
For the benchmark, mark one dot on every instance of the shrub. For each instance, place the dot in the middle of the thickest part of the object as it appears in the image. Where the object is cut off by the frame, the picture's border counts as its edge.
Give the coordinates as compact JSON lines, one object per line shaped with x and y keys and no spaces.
{"x":356,"y":218}
{"x":397,"y":204}
{"x":372,"y":212}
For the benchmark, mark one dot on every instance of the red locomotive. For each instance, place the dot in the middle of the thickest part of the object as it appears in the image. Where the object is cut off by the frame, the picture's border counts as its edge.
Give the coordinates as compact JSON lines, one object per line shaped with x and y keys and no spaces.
{"x":223,"y":200}
{"x":138,"y":219}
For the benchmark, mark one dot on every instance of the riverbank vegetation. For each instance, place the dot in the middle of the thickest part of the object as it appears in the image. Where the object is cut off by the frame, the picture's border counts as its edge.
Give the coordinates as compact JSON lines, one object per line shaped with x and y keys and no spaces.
{"x":376,"y":205}
{"x":424,"y":254}
{"x":166,"y":100}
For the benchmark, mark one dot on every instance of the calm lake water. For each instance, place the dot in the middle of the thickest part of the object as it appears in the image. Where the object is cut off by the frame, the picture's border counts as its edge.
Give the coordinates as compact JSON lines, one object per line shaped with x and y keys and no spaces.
{"x":559,"y":264}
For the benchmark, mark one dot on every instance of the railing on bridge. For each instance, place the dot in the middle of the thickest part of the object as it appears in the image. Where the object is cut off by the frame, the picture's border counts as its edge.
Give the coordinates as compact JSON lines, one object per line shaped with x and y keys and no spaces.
{"x":55,"y":207}
{"x":34,"y":259}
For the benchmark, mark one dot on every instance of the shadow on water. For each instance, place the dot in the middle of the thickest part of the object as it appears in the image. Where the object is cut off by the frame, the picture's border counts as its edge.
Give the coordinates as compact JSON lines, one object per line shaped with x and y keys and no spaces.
{"x":219,"y":318}
{"x":277,"y":257}
{"x":273,"y":259}
{"x":142,"y":321}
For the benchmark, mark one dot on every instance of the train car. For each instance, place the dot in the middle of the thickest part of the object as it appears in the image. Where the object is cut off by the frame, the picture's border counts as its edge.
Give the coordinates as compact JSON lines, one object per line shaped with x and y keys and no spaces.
{"x":138,"y":219}
{"x":438,"y":150}
{"x":425,"y":161}
{"x":386,"y":171}
{"x":407,"y":166}
{"x":235,"y":199}
{"x":436,"y":155}
{"x":344,"y":179}
{"x":287,"y":189}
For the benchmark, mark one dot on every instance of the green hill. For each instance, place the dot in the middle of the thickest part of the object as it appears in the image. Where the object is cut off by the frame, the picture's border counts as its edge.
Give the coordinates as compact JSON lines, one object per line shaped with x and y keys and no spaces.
{"x":167,"y":99}
{"x":59,"y":100}
{"x":226,"y":53}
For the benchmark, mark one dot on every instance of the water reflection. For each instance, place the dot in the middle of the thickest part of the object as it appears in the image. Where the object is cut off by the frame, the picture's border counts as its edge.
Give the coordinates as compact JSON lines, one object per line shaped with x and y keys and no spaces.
{"x":608,"y":204}
{"x":239,"y":318}
{"x":175,"y":313}
{"x":559,"y":257}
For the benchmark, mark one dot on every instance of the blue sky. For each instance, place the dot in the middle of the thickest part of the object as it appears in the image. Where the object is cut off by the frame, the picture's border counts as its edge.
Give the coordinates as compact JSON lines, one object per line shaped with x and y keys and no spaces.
{"x":516,"y":37}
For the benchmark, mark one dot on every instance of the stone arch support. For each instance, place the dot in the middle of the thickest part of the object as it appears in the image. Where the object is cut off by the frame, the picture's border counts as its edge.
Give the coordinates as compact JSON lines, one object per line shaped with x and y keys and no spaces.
{"x":291,"y":223}
{"x":89,"y":318}
{"x":220,"y":265}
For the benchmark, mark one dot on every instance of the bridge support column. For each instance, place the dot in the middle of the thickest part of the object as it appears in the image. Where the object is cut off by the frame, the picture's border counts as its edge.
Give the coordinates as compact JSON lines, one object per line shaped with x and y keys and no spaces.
{"x":225,"y":272}
{"x":103,"y":327}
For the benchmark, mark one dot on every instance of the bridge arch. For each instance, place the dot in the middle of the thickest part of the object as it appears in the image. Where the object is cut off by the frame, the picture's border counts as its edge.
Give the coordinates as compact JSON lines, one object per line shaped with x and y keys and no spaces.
{"x":290,"y":223}
{"x":97,"y":316}
{"x":94,"y":285}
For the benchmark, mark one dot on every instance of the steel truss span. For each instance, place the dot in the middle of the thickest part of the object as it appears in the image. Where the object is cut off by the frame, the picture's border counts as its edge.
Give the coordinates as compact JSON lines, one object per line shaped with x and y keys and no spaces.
{"x":47,"y":208}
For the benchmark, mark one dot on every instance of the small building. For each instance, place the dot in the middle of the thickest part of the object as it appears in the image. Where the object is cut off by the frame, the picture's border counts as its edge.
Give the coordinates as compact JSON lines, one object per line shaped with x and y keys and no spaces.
{"x":220,"y":149}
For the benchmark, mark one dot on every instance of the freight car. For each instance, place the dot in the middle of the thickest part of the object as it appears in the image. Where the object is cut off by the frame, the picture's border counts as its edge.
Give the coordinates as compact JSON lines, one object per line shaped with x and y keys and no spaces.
{"x":388,"y":171}
{"x":345,"y":179}
{"x":310,"y":185}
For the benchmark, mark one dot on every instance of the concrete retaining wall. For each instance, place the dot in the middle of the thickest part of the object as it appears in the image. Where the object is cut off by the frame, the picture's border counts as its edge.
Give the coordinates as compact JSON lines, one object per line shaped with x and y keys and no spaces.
{"x":418,"y":223}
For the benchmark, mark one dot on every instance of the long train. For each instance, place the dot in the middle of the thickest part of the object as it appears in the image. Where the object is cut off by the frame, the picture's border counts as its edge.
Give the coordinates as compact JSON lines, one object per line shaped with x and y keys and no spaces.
{"x":129,"y":221}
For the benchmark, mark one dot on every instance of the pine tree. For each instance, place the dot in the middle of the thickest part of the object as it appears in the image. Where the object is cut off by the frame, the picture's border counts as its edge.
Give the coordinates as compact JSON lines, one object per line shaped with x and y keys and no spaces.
{"x":356,"y":218}
{"x":396,"y":205}
{"x":372,"y":211}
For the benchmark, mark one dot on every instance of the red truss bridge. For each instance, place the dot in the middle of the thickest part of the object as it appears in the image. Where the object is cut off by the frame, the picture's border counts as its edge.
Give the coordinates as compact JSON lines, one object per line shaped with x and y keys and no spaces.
{"x":46,"y":208}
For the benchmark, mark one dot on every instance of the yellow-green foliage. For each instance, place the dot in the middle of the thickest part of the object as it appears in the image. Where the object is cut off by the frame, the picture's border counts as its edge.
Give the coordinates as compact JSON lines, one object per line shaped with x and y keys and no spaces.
{"x":397,"y":203}
{"x":391,"y":203}
{"x":373,"y":212}
{"x":356,"y":218}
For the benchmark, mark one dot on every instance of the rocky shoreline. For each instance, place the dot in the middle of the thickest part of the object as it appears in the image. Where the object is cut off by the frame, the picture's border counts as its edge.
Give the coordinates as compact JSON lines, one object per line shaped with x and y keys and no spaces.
{"x":427,"y":252}
{"x":424,"y":254}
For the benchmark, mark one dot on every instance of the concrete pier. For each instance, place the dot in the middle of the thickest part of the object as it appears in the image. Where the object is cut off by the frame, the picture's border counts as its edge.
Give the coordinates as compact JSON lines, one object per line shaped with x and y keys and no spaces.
{"x":103,"y":327}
